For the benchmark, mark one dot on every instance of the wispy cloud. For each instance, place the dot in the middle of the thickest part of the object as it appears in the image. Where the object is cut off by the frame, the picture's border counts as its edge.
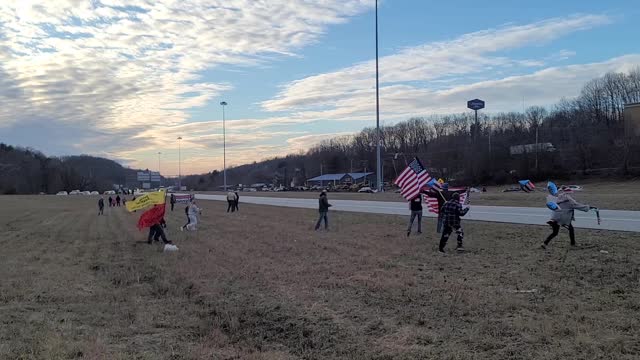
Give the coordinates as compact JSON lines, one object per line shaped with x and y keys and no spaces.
{"x":468,"y":54}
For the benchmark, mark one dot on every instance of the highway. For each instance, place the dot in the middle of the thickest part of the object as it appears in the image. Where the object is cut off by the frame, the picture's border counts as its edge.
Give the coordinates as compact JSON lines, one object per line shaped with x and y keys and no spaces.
{"x":621,"y":220}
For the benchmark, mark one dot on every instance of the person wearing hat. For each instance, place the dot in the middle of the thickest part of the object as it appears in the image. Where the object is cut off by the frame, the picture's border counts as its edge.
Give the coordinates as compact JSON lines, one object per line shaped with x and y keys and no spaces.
{"x":563,"y":214}
{"x":323,"y":209}
{"x":451,"y":213}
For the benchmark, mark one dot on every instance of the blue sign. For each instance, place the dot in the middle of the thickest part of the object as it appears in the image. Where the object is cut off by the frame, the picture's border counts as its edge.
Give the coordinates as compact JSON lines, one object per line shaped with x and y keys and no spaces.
{"x":475,"y":104}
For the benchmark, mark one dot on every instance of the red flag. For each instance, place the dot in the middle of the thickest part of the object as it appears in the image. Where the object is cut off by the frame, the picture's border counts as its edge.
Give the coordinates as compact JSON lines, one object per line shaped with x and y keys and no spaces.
{"x":151,"y":217}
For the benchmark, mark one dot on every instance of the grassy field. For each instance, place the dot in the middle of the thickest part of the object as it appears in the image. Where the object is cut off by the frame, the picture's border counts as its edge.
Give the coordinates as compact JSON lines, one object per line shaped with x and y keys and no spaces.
{"x":259,"y":284}
{"x":605,"y":195}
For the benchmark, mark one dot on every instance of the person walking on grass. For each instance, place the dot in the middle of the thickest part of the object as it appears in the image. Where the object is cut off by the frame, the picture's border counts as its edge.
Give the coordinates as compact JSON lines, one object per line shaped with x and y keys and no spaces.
{"x":416,"y":211}
{"x":101,"y":206}
{"x":323,"y":209}
{"x":110,"y":201}
{"x":156,"y":232}
{"x":186,"y":212}
{"x":442,"y":195}
{"x":172,"y":201}
{"x":231,"y":200}
{"x":237,"y":200}
{"x":563,"y":214}
{"x":194,"y":212}
{"x":451,"y":213}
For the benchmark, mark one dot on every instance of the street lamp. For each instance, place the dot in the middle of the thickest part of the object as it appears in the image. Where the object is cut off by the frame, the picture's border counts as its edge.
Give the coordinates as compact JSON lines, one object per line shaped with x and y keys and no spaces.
{"x":224,"y":147}
{"x":159,"y":153}
{"x":379,"y":160}
{"x":179,"y":162}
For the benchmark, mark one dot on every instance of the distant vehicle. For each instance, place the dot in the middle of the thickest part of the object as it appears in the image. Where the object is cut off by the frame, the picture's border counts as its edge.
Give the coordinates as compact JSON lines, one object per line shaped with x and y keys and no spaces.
{"x":86,"y":193}
{"x":74,"y":192}
{"x":62,"y":193}
{"x":365,"y":189}
{"x":109,"y":192}
{"x":95,"y":193}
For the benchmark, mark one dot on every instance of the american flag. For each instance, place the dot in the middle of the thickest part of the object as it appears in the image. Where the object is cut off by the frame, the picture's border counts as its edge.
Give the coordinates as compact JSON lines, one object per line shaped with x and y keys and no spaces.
{"x":412,"y":179}
{"x":432,"y":202}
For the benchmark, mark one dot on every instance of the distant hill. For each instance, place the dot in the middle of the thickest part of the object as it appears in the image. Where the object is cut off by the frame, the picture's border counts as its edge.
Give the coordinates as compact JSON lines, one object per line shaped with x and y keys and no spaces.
{"x":28,"y":171}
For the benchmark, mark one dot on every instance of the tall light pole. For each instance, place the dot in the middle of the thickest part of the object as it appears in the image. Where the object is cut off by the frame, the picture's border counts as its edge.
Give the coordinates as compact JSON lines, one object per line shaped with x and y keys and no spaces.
{"x":224,"y":147}
{"x":179,"y":163}
{"x":160,"y":176}
{"x":378,"y":157}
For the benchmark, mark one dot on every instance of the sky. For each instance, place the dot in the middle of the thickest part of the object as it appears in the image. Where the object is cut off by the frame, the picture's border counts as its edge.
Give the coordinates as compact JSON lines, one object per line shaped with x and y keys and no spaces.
{"x":123,"y":79}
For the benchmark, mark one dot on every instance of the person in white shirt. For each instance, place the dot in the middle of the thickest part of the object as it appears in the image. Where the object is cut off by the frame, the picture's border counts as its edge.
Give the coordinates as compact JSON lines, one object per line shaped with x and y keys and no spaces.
{"x":194,"y":212}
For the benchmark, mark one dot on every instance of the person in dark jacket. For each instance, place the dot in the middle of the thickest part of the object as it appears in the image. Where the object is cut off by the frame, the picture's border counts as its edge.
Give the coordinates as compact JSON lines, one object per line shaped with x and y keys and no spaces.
{"x":186,"y":212}
{"x":237,"y":200}
{"x":101,"y":206}
{"x":323,"y":208}
{"x":118,"y":200}
{"x":110,"y":201}
{"x":157,"y":231}
{"x":451,"y":213}
{"x":172,"y":201}
{"x":443,"y":196}
{"x":416,"y":211}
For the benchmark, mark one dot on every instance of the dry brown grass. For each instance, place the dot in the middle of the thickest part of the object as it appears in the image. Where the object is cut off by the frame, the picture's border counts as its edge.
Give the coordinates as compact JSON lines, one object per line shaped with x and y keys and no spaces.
{"x":624,"y":195}
{"x":260,"y":284}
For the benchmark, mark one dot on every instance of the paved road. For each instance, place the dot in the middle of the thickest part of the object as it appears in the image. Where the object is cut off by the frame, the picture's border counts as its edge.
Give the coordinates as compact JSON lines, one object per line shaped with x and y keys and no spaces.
{"x":611,"y":219}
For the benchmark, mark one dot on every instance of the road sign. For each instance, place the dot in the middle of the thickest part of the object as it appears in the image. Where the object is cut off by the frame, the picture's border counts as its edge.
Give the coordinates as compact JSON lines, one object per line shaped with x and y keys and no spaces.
{"x":475,"y":104}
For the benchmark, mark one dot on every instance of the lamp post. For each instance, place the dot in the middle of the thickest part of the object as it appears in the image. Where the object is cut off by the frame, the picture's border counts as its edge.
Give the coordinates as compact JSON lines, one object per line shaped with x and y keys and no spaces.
{"x":224,"y":147}
{"x":379,"y":160}
{"x":159,"y":153}
{"x":179,"y":163}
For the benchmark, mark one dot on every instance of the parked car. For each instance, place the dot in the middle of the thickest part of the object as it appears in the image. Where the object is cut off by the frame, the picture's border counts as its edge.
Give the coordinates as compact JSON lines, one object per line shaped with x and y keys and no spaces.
{"x":109,"y":192}
{"x":95,"y":193}
{"x":74,"y":192}
{"x":85,"y":193}
{"x":62,"y":193}
{"x":365,"y":189}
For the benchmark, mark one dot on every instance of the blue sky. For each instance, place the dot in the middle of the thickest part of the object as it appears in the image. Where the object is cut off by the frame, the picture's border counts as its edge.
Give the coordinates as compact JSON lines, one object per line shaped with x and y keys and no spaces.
{"x":122,"y":79}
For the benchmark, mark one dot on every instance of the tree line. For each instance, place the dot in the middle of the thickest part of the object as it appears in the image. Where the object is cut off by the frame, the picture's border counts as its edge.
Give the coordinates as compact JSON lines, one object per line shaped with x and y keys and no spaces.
{"x":583,"y":136}
{"x":28,"y":171}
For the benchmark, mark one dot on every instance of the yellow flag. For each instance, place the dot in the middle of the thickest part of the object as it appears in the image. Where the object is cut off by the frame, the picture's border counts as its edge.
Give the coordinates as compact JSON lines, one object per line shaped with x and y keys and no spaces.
{"x":148,"y":199}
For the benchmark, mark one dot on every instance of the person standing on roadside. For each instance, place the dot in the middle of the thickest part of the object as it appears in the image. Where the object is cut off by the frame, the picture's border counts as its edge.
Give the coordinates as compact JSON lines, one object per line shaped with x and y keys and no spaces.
{"x":110,"y":201}
{"x":172,"y":201}
{"x":101,"y":206}
{"x":416,"y":211}
{"x":231,"y":200}
{"x":118,"y":200}
{"x":237,"y":200}
{"x":323,"y":209}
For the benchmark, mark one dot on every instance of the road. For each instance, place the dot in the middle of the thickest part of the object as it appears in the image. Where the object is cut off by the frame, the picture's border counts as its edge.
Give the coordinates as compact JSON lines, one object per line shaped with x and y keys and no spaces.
{"x":611,"y":219}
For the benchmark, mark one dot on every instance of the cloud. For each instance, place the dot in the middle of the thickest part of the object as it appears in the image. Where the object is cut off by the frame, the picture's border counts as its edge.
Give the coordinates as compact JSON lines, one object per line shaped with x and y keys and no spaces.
{"x":113,"y":67}
{"x":471,"y":53}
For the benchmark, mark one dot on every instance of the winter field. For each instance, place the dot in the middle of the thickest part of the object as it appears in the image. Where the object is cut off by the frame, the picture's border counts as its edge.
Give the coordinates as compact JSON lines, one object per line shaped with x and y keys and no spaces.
{"x":260,"y":284}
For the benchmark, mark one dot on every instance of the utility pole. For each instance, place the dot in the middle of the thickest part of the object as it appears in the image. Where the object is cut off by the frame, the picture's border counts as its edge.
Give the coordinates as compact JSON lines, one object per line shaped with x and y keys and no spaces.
{"x":224,"y":146}
{"x":179,"y":163}
{"x":378,"y":137}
